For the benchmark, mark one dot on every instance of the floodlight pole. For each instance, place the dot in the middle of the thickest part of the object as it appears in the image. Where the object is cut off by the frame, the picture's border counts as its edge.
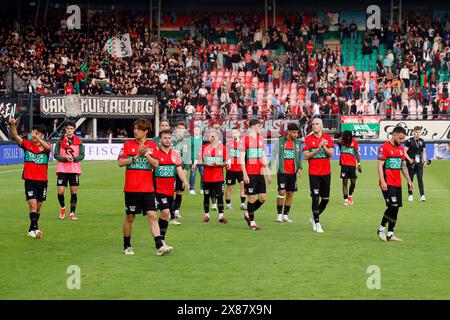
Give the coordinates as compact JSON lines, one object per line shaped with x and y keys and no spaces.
{"x":265,"y":11}
{"x":274,"y":13}
{"x":45,"y":12}
{"x":37,"y":12}
{"x":151,"y":16}
{"x":159,"y":20}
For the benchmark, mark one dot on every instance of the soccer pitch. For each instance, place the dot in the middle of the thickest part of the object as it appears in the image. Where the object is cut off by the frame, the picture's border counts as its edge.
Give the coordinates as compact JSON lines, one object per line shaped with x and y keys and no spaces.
{"x":215,"y":261}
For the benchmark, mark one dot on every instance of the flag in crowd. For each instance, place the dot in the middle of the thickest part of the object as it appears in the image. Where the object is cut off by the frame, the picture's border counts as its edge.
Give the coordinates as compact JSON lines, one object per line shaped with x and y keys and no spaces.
{"x":119,"y":46}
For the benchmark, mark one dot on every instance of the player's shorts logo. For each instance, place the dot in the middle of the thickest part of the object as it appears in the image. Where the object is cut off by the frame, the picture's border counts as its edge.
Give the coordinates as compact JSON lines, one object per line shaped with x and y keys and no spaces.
{"x":343,"y":174}
{"x":132,"y":208}
{"x":394,"y":199}
{"x":60,"y":181}
{"x":206,"y":191}
{"x":228,"y":181}
{"x":164,"y":200}
{"x":282,"y":185}
{"x":316,"y":191}
{"x":250,"y":189}
{"x":30,"y":193}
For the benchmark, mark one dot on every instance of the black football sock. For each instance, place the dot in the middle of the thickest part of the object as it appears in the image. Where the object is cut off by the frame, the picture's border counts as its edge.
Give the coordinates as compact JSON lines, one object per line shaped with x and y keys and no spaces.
{"x":73,"y":202}
{"x":206,"y":198}
{"x":163,"y":225}
{"x":33,"y":221}
{"x":279,"y":209}
{"x":61,"y":200}
{"x":352,"y":188}
{"x":177,"y":202}
{"x":323,"y":204}
{"x":386,"y":217}
{"x":393,"y":219}
{"x":242,"y":199}
{"x":126,"y":242}
{"x":228,"y":201}
{"x":220,"y":204}
{"x":158,"y":242}
{"x":286,"y":210}
{"x":256,"y":205}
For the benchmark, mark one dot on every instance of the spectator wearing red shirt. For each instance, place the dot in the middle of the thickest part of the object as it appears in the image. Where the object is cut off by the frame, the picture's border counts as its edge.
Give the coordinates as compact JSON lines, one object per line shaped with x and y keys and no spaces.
{"x":35,"y":167}
{"x":68,"y":88}
{"x":318,"y":150}
{"x":391,"y":161}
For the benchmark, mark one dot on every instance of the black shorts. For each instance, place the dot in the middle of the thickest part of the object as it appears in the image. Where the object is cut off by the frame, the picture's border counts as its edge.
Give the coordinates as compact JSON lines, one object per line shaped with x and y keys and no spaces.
{"x":163,"y":201}
{"x":393,"y":196}
{"x":137,"y":202}
{"x":178,"y":184}
{"x":35,"y":189}
{"x":320,"y":185}
{"x":287,"y":182}
{"x":72,"y":178}
{"x":348,"y":172}
{"x":257,"y":185}
{"x":213,"y":188}
{"x":233,"y":176}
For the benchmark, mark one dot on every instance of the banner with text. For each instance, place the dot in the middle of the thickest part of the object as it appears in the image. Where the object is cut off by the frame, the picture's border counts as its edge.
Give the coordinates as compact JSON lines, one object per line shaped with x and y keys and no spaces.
{"x":101,"y":106}
{"x":11,"y":154}
{"x":367,"y":126}
{"x":431,"y":129}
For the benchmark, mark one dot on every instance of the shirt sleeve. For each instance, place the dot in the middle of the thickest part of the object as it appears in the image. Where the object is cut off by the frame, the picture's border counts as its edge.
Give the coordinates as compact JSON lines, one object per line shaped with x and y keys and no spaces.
{"x":123,"y":154}
{"x":381,"y":154}
{"x":178,"y":162}
{"x":330,"y":142}
{"x":56,"y":155}
{"x":81,"y":156}
{"x":356,"y":146}
{"x":408,"y":143}
{"x":307,"y":146}
{"x":26,"y":144}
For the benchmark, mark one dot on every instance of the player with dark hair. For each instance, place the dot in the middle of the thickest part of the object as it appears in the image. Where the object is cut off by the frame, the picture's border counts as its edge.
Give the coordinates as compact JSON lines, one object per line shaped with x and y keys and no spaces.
{"x":348,"y":160}
{"x":170,"y":166}
{"x":35,"y":168}
{"x":318,"y":150}
{"x":234,"y":168}
{"x":289,"y":165}
{"x":137,"y":156}
{"x":254,"y":163}
{"x":391,"y":160}
{"x":416,"y":160}
{"x":181,"y":145}
{"x":213,"y":157}
{"x":69,"y":152}
{"x":164,"y":124}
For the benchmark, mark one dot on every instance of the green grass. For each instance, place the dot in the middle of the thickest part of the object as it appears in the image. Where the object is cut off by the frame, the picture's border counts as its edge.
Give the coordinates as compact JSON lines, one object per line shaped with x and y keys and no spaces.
{"x":214,"y":261}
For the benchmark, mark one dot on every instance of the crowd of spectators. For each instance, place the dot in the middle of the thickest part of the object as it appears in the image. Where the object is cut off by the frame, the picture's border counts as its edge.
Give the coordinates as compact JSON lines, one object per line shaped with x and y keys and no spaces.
{"x":411,"y":77}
